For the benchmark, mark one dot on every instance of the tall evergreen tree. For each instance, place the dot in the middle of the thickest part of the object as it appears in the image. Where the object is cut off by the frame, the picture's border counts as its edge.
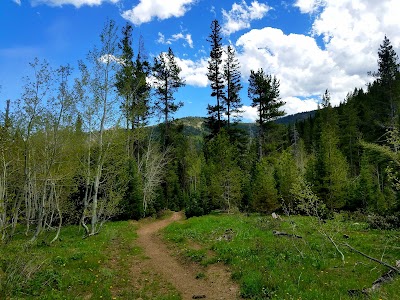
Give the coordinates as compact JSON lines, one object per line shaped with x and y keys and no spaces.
{"x":233,"y":86}
{"x":388,"y":70}
{"x":388,"y":66}
{"x":331,"y":165}
{"x":350,"y":134}
{"x":264,"y":92}
{"x":167,"y":81}
{"x":265,"y":195}
{"x":215,"y":75}
{"x":224,"y":173}
{"x":132,"y":85}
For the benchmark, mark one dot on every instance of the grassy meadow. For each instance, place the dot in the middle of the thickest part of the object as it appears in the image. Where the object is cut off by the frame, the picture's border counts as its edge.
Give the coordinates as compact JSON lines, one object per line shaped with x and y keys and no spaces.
{"x":111,"y":266}
{"x":282,"y":267}
{"x":104,"y":266}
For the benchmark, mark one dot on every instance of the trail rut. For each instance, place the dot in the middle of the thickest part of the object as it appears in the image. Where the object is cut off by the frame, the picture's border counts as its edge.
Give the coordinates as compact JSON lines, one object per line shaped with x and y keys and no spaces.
{"x":217,"y":283}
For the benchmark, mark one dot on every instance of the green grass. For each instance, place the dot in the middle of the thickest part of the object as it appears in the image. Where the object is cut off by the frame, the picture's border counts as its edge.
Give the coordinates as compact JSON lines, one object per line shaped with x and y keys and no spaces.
{"x":99,"y":267}
{"x":279,"y":267}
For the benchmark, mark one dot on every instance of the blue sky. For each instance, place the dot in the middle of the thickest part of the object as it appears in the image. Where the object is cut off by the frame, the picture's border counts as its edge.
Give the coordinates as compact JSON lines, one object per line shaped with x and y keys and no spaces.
{"x":310,"y":45}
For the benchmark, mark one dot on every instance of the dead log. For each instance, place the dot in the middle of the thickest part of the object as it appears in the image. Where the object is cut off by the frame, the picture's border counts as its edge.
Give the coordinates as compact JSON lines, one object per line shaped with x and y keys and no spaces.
{"x":280,"y":233}
{"x":385,"y":278}
{"x":395,"y":269}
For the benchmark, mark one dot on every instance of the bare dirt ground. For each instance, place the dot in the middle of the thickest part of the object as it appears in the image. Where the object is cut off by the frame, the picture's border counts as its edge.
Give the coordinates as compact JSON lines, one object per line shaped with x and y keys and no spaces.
{"x":215,"y":285}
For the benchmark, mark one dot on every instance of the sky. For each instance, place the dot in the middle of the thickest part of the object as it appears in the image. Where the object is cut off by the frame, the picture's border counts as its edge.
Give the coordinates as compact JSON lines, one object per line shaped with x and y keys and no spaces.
{"x":309,"y":45}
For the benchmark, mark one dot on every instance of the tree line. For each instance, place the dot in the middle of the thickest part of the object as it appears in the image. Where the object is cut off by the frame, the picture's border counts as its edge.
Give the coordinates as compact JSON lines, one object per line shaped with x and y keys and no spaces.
{"x":81,"y":151}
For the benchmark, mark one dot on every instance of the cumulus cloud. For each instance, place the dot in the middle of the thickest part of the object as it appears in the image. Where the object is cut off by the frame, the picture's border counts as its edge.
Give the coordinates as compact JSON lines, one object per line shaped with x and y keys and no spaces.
{"x":302,"y":67}
{"x":76,"y":3}
{"x":295,"y":105}
{"x":309,"y":6}
{"x":249,"y":113}
{"x":147,"y":10}
{"x":351,"y":32}
{"x":194,"y":72}
{"x":240,"y":16}
{"x":175,"y":37}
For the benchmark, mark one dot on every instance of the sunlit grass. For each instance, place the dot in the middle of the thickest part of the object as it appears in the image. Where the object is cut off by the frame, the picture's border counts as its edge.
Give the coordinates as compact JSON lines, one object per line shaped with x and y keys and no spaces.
{"x":99,"y":267}
{"x":280,"y":267}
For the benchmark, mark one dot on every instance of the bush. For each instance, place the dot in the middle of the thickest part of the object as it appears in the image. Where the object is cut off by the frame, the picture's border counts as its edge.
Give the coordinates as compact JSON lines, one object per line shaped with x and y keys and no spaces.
{"x":193,"y":208}
{"x":384,"y":222}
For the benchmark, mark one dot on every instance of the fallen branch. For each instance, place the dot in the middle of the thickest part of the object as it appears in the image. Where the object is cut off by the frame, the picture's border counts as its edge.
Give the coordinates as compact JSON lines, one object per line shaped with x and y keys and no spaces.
{"x":335,"y":245}
{"x":385,"y":278}
{"x":277,"y":233}
{"x":395,"y":269}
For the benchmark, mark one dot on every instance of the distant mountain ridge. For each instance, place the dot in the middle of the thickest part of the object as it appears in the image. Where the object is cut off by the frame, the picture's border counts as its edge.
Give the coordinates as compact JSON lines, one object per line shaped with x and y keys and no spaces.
{"x":195,"y":125}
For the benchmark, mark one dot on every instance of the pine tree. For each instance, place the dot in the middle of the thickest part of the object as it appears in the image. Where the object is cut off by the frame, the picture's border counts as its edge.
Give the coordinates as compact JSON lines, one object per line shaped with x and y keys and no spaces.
{"x":215,"y":75}
{"x":233,"y":86}
{"x":331,"y":165}
{"x":224,"y":173}
{"x":265,"y":194}
{"x":124,"y":76}
{"x":167,"y":81}
{"x":350,"y":134}
{"x":264,"y":92}
{"x":287,"y":174}
{"x":388,"y":66}
{"x":388,"y":70}
{"x":132,"y":86}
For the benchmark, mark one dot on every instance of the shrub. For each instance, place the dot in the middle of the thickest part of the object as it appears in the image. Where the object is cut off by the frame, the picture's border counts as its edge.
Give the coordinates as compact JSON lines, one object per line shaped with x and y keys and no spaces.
{"x":384,"y":222}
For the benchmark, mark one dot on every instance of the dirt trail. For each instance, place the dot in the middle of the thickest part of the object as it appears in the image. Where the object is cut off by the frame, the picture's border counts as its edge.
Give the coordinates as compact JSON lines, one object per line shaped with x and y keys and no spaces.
{"x":216,"y":285}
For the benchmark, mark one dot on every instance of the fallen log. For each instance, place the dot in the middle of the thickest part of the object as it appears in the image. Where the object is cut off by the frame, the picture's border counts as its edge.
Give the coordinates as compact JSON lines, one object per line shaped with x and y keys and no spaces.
{"x":280,"y":233}
{"x":385,"y":278}
{"x":395,"y":269}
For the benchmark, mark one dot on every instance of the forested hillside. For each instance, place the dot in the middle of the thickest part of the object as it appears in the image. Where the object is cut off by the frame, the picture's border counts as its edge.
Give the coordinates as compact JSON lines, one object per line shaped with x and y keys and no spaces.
{"x":79,"y":150}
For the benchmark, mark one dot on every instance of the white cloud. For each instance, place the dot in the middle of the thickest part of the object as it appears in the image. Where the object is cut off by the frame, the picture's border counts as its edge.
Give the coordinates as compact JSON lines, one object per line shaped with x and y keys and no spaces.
{"x":240,"y":16}
{"x":17,"y":2}
{"x":295,"y":105}
{"x":309,"y":6}
{"x":302,"y":67}
{"x":161,"y":39}
{"x":76,"y":3}
{"x":186,"y":37}
{"x":194,"y":72}
{"x":249,"y":113}
{"x":147,"y":10}
{"x":175,"y":37}
{"x":109,"y":58}
{"x":212,"y":10}
{"x":351,"y":32}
